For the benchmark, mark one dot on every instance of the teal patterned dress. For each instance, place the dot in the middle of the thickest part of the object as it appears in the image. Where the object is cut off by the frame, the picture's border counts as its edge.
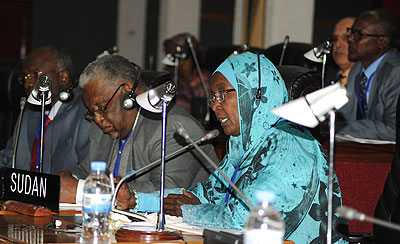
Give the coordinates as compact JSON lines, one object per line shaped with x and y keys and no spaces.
{"x":270,"y":153}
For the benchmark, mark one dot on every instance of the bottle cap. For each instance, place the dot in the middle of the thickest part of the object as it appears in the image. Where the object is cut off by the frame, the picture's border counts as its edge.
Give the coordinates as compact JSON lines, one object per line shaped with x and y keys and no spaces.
{"x":98,"y":165}
{"x":265,"y":195}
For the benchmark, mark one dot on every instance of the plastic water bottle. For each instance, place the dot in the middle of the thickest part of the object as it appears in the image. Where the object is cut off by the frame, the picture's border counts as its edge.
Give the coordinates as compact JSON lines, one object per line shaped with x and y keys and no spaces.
{"x":96,"y":205}
{"x":264,"y":223}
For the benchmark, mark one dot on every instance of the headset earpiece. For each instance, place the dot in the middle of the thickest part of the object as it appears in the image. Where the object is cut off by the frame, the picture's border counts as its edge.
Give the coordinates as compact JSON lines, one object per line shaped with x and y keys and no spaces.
{"x":180,"y":53}
{"x":129,"y":99}
{"x":65,"y":95}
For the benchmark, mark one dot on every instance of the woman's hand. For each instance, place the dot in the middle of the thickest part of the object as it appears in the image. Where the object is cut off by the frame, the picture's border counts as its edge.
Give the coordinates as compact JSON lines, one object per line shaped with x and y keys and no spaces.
{"x":125,"y":199}
{"x":172,"y":203}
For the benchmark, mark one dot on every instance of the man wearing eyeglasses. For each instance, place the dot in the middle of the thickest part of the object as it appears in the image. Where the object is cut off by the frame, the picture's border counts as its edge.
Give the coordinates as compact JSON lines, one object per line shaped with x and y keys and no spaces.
{"x":340,"y":49}
{"x":374,"y":81}
{"x":66,"y":132}
{"x":130,"y":138}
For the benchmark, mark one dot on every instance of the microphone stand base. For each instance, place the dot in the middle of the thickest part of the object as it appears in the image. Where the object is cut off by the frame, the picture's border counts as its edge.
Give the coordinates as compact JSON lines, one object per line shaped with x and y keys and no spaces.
{"x":125,"y":235}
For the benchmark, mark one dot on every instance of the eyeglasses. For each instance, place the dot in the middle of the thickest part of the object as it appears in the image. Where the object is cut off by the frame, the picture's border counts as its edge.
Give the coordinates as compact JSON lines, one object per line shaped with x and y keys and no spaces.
{"x":336,"y":38}
{"x":90,"y":115}
{"x":358,"y":34}
{"x":219,"y":96}
{"x":23,"y":77}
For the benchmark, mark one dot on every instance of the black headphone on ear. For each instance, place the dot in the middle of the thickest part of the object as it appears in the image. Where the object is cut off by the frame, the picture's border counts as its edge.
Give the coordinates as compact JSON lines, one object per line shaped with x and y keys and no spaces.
{"x":129,"y":99}
{"x":258,"y":94}
{"x":65,"y":95}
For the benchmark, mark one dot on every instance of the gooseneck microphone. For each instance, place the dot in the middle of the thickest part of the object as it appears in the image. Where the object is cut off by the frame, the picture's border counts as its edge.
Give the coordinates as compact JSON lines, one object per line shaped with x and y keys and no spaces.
{"x":181,"y":131}
{"x":284,"y":46}
{"x":203,"y":83}
{"x":22,"y":104}
{"x":352,"y":214}
{"x":41,"y":91}
{"x":210,"y":135}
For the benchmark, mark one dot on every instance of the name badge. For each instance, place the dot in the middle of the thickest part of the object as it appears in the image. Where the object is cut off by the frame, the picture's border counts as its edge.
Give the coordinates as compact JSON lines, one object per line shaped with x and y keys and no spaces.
{"x":30,"y":187}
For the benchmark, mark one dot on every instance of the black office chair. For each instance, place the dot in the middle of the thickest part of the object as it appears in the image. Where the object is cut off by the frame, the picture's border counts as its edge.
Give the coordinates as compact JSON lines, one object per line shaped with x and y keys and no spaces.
{"x":299,"y":80}
{"x":10,"y":93}
{"x":216,"y":55}
{"x":388,"y":206}
{"x":293,"y":54}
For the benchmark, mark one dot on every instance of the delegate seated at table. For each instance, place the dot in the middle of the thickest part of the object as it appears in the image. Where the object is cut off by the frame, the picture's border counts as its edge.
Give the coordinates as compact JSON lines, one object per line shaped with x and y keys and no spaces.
{"x":373,"y":85}
{"x":265,"y":152}
{"x":130,"y":138}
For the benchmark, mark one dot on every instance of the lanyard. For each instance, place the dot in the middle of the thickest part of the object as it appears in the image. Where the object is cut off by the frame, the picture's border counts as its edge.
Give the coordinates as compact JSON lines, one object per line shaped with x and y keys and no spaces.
{"x":363,"y":112}
{"x":232,"y":179}
{"x":122,"y":145}
{"x":46,"y":123}
{"x":121,"y":148}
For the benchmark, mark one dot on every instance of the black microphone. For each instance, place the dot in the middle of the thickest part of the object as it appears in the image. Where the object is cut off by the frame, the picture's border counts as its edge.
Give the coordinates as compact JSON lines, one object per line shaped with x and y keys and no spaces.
{"x":210,"y":135}
{"x":243,"y":48}
{"x":44,"y":83}
{"x":22,"y":107}
{"x":203,"y":83}
{"x":352,"y":214}
{"x":284,"y":46}
{"x":41,"y":88}
{"x":182,"y":131}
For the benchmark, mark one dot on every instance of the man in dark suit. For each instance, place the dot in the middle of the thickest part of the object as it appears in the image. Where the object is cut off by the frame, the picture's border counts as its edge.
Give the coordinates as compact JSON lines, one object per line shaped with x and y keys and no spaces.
{"x":374,"y":81}
{"x":130,"y":138}
{"x":66,"y":140}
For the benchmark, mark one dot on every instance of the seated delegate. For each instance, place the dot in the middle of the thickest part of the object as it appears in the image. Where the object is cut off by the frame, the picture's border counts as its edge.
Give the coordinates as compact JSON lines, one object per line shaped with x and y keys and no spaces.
{"x":265,"y":152}
{"x":128,"y":138}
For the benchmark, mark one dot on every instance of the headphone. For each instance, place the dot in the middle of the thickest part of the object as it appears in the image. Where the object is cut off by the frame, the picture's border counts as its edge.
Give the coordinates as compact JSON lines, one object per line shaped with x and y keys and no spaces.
{"x":258,"y":94}
{"x":65,"y":95}
{"x":128,"y":100}
{"x":181,"y":52}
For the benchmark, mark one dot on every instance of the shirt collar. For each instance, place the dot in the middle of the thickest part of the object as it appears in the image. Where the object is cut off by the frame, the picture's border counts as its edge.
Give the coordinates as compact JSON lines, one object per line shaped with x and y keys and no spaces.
{"x":372,"y":68}
{"x":53,"y":111}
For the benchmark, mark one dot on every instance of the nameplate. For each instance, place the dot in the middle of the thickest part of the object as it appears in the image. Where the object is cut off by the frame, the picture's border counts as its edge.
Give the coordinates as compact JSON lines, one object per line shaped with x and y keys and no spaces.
{"x":30,"y":187}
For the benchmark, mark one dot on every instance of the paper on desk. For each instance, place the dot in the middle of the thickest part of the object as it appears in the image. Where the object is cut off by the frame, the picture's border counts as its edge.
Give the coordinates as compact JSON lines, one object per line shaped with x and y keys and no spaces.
{"x":340,"y":137}
{"x":174,"y":223}
{"x":70,"y":206}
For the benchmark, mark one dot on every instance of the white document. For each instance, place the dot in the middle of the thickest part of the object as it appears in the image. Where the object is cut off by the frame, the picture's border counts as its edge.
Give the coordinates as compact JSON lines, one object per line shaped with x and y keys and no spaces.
{"x":349,"y":138}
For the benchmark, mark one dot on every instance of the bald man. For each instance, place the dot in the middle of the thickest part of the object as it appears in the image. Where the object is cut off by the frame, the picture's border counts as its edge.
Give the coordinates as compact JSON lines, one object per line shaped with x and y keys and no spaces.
{"x":341,"y":48}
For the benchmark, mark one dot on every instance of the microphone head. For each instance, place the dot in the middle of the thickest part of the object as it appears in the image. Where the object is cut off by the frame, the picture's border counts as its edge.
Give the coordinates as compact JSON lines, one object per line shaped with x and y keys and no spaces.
{"x":153,"y":99}
{"x":22,"y":102}
{"x":42,"y":86}
{"x":213,"y":133}
{"x":180,"y":129}
{"x":44,"y":82}
{"x":286,"y":38}
{"x":346,"y":212}
{"x":188,"y":39}
{"x":210,"y":135}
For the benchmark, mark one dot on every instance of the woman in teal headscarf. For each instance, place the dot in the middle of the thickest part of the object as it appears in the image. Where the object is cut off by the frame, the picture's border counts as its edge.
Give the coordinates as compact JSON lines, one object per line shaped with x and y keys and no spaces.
{"x":265,"y":152}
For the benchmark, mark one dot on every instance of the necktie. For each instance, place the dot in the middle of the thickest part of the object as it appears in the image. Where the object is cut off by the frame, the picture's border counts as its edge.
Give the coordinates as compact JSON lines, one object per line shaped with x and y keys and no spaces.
{"x":35,"y":147}
{"x":363,"y":97}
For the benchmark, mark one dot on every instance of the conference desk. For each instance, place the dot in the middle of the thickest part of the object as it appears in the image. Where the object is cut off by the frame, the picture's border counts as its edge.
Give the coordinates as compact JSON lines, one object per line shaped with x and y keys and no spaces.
{"x":362,"y":170}
{"x":16,"y":228}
